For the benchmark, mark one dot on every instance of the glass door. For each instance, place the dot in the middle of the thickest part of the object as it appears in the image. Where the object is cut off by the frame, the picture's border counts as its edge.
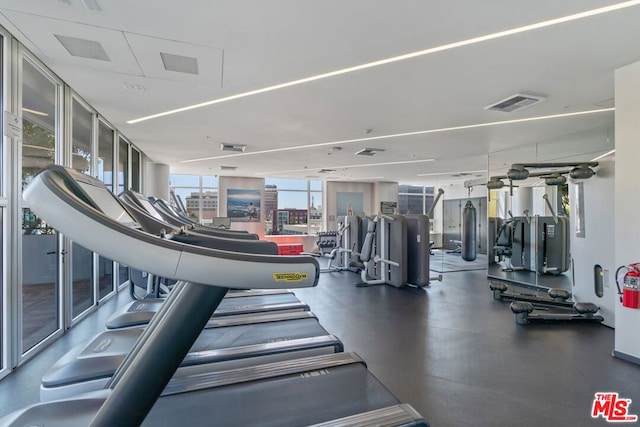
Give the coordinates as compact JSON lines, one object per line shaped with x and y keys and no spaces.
{"x":82,"y":278}
{"x":3,"y":204}
{"x":106,"y":137}
{"x":40,"y":243}
{"x":123,"y":184}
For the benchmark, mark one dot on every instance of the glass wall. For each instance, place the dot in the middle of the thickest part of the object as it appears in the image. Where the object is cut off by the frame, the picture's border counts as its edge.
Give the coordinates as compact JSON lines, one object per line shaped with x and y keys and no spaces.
{"x":2,"y":205}
{"x":123,"y":184}
{"x":292,"y":206}
{"x":135,"y":169}
{"x":123,"y":165}
{"x":40,"y":243}
{"x":51,"y":273}
{"x":82,"y":292}
{"x":106,"y":137}
{"x":1,"y":280}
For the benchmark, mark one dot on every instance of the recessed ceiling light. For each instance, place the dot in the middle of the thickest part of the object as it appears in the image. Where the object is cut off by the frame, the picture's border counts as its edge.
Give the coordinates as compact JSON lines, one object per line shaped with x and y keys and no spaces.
{"x":404,"y":134}
{"x":445,"y":47}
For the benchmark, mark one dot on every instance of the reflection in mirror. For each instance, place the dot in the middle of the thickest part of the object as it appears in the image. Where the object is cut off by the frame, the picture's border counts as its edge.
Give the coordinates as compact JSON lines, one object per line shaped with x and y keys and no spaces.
{"x":528,"y":224}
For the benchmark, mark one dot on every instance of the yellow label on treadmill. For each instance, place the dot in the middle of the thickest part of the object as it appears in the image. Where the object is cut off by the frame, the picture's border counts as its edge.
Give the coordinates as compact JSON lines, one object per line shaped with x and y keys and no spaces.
{"x":294,"y":276}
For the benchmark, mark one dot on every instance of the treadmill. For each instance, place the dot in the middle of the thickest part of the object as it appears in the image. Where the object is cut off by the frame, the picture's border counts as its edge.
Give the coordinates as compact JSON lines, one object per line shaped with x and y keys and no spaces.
{"x":179,"y":221}
{"x":331,"y":389}
{"x":141,"y":209}
{"x":140,"y":312}
{"x":225,"y":343}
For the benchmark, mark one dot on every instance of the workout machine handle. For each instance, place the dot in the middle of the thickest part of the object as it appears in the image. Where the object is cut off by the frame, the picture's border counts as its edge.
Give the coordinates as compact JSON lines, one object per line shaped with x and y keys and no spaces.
{"x":387,"y":217}
{"x":435,"y":202}
{"x":553,"y":212}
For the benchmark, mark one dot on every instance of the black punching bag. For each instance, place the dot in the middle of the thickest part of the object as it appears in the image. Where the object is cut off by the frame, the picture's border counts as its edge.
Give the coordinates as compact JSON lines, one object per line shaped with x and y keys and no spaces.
{"x":469,"y":232}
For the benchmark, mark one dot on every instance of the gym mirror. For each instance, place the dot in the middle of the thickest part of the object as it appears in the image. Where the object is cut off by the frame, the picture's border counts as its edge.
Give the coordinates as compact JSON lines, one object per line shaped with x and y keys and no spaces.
{"x":528,"y":222}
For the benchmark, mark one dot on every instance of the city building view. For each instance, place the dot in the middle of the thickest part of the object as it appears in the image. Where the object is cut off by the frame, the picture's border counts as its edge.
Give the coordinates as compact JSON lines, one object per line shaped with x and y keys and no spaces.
{"x":285,"y":211}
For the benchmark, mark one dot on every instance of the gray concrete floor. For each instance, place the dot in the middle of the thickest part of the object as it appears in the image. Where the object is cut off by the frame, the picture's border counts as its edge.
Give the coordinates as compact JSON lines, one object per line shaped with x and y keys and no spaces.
{"x":450,"y":350}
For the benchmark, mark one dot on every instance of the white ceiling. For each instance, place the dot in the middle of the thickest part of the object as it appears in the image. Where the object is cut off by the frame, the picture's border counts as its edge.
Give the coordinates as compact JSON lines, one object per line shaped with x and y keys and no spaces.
{"x":247,"y":45}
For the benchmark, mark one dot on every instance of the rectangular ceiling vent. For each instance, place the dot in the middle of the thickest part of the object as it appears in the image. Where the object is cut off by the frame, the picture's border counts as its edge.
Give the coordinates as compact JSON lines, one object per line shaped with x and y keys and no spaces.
{"x":228,"y":168}
{"x":515,"y":102}
{"x":369,"y":151}
{"x":83,"y":48}
{"x":238,"y":148}
{"x":326,"y":171}
{"x":312,"y":177}
{"x":179,"y":63}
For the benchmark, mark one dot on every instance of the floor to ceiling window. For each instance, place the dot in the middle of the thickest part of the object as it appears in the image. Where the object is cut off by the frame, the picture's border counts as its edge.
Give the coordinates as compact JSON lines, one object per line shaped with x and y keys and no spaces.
{"x":82,"y":283}
{"x":135,"y":170}
{"x":3,"y":204}
{"x":106,"y":136}
{"x":292,"y":206}
{"x":40,"y":244}
{"x":123,"y":184}
{"x":198,"y":194}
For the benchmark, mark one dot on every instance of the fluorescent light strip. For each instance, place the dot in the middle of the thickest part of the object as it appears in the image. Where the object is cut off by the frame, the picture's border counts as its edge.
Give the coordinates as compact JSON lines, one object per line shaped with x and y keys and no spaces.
{"x":347,"y":167}
{"x":399,"y":135}
{"x":366,"y":177}
{"x":451,"y":173}
{"x":604,"y":155}
{"x":454,"y":45}
{"x":37,"y":113}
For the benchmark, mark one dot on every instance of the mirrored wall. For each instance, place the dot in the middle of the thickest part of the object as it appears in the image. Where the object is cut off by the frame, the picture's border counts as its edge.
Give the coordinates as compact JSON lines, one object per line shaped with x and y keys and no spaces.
{"x":529,"y":222}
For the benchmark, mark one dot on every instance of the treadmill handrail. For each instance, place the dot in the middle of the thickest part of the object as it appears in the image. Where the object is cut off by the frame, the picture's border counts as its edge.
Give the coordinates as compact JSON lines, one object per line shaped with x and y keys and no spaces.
{"x":58,"y":199}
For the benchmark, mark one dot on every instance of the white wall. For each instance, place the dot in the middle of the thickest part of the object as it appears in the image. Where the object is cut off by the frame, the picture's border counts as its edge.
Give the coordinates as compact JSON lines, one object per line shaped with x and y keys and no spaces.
{"x":242,"y":183}
{"x":597,"y":247}
{"x":627,"y":203}
{"x":332,"y":188}
{"x":384,"y":192}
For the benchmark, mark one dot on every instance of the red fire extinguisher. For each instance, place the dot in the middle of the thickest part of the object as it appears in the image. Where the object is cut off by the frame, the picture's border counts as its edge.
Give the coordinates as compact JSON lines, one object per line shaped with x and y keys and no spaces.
{"x":630,"y":293}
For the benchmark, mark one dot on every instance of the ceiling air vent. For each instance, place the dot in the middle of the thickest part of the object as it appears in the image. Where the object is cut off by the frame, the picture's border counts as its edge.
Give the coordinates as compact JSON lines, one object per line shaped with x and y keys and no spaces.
{"x":233,"y":147}
{"x":83,"y":48}
{"x":515,"y":102}
{"x":228,"y":168}
{"x":369,"y":151}
{"x":179,"y":63}
{"x":326,"y":171}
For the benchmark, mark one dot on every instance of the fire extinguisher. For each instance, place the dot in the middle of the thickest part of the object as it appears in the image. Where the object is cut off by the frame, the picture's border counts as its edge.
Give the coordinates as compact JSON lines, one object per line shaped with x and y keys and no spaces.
{"x":630,"y":293}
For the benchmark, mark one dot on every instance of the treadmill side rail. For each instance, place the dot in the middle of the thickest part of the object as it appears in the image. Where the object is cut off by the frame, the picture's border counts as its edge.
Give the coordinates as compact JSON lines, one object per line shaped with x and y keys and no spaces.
{"x":259,"y":372}
{"x":393,"y":416}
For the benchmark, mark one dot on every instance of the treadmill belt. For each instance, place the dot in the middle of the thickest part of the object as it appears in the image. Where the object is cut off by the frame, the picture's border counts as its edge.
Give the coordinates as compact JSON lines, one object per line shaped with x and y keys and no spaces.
{"x":257,"y":333}
{"x":293,"y":400}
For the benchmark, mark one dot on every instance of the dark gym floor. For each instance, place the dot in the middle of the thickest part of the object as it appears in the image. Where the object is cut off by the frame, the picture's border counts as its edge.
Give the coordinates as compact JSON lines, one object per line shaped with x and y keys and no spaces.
{"x":450,"y":350}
